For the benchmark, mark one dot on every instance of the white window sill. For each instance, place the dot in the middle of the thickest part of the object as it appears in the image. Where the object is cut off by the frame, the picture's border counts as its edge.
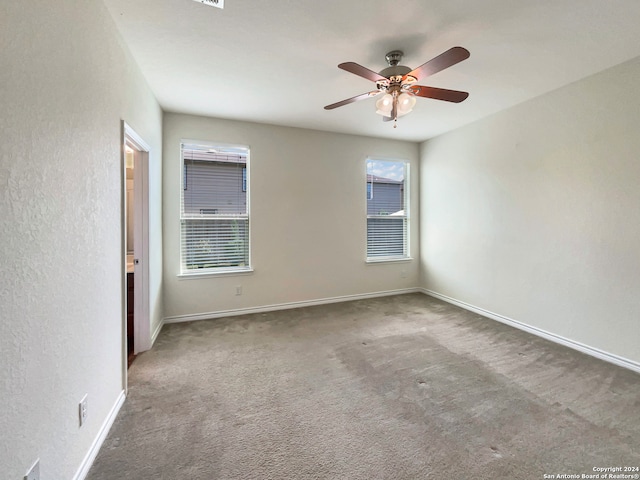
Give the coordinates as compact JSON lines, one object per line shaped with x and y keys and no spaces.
{"x":377,"y":261}
{"x":222,"y":273}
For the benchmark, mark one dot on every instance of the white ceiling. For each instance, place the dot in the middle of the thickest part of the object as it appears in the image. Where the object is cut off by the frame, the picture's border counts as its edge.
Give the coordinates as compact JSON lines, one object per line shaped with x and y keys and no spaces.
{"x":276,"y":61}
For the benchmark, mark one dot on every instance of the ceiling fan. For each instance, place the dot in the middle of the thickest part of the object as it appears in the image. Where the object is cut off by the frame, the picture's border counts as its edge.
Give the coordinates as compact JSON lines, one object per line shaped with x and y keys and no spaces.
{"x":397,"y":83}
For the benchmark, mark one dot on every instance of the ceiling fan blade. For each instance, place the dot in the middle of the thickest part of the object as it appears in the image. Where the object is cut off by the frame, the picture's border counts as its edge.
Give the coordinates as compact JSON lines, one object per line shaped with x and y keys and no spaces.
{"x":352,"y":99}
{"x":361,"y":71}
{"x":387,"y":119}
{"x":454,"y":96}
{"x":444,"y":60}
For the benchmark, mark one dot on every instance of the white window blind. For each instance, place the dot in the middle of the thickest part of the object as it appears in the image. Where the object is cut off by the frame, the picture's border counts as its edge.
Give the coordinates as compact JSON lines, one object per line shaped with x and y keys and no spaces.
{"x":214,"y":213}
{"x":387,"y":210}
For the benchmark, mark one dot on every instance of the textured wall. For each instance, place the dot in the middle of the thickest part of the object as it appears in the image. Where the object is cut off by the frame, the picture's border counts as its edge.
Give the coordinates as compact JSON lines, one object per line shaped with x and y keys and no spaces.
{"x":308,"y":217}
{"x":66,"y":83}
{"x":534,"y":213}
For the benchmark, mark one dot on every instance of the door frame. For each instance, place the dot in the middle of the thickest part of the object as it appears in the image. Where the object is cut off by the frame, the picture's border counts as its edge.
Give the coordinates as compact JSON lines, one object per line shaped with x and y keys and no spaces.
{"x":141,"y":319}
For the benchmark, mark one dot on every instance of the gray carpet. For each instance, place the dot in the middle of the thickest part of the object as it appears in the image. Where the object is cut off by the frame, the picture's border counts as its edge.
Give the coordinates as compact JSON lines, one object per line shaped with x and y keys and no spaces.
{"x":403,"y":387}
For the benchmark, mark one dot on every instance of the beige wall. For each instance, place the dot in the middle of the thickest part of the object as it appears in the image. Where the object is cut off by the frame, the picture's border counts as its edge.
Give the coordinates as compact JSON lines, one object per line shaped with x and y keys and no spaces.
{"x":67,"y":82}
{"x":534,"y":213}
{"x":308,"y":217}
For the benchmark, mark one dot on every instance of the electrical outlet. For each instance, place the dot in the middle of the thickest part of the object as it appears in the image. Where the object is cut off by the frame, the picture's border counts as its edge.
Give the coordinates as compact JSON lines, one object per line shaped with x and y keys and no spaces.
{"x":83,"y":410}
{"x":34,"y":472}
{"x":238,"y":289}
{"x":403,"y":274}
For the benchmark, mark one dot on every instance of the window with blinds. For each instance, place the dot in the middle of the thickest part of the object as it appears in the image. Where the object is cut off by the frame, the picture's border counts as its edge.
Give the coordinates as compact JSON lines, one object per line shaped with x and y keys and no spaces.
{"x":387,"y":210}
{"x":214,"y":210}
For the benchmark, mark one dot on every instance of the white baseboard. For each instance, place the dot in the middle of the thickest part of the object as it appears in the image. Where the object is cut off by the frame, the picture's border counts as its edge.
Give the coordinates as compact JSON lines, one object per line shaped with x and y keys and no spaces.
{"x":286,"y":306}
{"x":594,"y":352}
{"x":89,"y":458}
{"x":156,"y":332}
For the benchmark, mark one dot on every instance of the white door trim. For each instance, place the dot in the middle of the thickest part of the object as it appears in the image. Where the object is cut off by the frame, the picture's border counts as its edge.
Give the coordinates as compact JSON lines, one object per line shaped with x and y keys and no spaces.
{"x":142,"y":321}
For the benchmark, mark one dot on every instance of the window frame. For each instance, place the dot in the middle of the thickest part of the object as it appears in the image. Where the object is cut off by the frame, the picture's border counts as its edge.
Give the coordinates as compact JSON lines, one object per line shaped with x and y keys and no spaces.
{"x":245,"y":182}
{"x":406,"y":255}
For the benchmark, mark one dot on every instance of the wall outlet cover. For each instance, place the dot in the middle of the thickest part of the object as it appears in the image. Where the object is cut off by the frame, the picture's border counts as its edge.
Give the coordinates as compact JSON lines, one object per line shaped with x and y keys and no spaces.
{"x":83,"y":410}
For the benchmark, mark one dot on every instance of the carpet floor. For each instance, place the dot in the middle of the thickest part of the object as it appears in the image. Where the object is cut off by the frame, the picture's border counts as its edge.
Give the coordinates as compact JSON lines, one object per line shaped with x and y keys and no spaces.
{"x":403,"y":387}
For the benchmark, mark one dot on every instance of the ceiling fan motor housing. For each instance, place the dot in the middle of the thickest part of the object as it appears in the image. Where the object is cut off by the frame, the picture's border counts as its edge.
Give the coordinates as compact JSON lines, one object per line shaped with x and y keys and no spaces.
{"x":394,"y":70}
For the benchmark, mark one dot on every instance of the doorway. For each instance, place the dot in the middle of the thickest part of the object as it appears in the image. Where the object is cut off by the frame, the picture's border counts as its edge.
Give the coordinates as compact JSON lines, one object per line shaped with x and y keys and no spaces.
{"x":135,"y":243}
{"x":129,"y":155}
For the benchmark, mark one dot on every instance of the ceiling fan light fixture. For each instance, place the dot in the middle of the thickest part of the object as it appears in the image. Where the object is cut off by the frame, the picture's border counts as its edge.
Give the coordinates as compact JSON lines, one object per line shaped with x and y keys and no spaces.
{"x":405,"y":103}
{"x":385,"y":105}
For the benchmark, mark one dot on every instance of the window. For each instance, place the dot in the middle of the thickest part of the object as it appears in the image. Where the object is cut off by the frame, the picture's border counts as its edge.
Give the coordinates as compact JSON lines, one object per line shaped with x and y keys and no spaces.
{"x":387,"y":210}
{"x":214,"y":213}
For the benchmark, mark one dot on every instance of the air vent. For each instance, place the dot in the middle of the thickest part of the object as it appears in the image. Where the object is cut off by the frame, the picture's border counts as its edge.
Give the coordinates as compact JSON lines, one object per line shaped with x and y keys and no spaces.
{"x":212,"y":3}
